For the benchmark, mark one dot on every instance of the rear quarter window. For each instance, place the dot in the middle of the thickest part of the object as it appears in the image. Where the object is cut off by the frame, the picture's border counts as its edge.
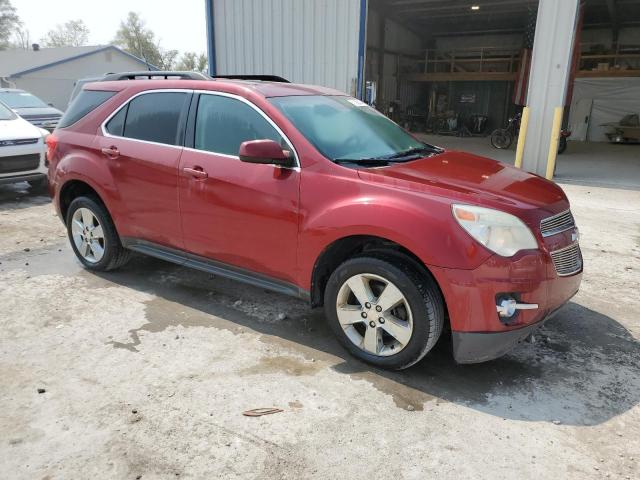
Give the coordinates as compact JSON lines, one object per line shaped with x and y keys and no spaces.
{"x":84,"y":103}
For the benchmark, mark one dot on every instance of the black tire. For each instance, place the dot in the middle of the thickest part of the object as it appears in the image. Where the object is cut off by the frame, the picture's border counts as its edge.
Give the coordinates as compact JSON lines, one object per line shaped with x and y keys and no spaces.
{"x":501,"y":138}
{"x":115,"y":255}
{"x":38,"y":185}
{"x":562,"y":145}
{"x":421,"y":293}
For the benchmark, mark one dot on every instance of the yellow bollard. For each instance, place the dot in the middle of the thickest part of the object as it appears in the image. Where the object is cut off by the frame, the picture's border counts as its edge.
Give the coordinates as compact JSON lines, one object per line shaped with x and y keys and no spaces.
{"x":553,"y":146}
{"x":522,"y":136}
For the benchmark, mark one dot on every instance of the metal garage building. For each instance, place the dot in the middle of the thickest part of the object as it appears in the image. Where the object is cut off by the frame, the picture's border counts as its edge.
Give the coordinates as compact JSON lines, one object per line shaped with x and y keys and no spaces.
{"x":424,"y":58}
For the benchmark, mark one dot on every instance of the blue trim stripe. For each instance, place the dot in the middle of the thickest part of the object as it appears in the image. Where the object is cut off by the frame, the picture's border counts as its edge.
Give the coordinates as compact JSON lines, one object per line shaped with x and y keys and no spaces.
{"x":211,"y":37}
{"x":362,"y":39}
{"x":82,"y":55}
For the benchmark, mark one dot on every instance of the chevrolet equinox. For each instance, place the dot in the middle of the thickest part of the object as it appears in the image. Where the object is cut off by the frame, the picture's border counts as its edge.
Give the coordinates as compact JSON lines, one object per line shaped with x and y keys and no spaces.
{"x":309,"y":192}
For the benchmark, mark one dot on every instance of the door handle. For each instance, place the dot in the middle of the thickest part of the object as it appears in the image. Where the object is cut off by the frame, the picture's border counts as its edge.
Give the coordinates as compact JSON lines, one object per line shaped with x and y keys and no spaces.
{"x":111,"y":152}
{"x":196,"y":172}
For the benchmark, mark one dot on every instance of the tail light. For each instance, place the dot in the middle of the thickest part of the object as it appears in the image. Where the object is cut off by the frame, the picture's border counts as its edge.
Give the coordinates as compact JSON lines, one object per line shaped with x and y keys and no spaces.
{"x":52,"y":144}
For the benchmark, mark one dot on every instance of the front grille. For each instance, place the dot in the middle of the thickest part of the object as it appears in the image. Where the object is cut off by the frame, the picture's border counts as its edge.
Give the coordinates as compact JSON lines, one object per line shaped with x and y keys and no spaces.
{"x":22,"y":141}
{"x":567,"y":260}
{"x":19,"y":163}
{"x":556,"y":224}
{"x":39,"y":120}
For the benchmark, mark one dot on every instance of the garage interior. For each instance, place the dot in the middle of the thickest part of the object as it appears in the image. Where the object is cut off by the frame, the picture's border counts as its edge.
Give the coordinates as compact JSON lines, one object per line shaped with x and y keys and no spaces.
{"x":453,"y":71}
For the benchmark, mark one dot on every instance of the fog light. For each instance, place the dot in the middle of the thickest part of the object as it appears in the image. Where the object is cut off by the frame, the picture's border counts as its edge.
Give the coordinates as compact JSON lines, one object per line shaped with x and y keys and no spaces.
{"x":507,"y":307}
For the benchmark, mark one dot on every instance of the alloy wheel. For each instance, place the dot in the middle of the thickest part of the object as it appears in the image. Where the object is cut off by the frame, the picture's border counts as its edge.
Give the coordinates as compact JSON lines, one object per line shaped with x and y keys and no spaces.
{"x":374,"y":314}
{"x":88,"y":235}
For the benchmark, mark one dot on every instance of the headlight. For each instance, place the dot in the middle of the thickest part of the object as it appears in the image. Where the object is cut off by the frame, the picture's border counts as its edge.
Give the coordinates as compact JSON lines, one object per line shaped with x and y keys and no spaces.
{"x":500,"y":232}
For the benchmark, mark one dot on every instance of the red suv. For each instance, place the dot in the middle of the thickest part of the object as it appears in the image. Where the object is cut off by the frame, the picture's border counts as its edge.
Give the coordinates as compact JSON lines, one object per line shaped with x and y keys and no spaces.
{"x":312,"y":193}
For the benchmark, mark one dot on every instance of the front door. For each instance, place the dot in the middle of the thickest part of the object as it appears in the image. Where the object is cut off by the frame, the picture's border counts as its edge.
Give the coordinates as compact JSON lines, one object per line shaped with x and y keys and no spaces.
{"x":142,"y":147}
{"x":240,"y":214}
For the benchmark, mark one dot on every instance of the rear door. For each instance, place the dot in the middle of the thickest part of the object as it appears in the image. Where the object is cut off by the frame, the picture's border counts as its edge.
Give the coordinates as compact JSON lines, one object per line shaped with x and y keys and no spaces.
{"x":238,"y":213}
{"x":141,"y":143}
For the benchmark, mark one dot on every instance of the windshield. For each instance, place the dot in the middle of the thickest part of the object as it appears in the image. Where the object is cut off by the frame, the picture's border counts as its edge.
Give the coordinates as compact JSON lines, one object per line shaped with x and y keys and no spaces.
{"x":6,"y":113}
{"x":21,"y":100}
{"x":346,"y":128}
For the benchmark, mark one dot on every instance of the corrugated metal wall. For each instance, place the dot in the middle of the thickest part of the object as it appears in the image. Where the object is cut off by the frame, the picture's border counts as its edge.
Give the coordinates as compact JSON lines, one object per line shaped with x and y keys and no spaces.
{"x":305,"y":41}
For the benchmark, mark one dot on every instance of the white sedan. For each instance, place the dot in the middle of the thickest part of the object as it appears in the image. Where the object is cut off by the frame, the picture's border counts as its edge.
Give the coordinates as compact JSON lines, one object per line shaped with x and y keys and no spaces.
{"x":22,"y":150}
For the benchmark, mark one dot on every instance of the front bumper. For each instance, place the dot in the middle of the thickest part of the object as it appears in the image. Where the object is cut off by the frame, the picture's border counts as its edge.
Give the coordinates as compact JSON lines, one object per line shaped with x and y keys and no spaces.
{"x":476,"y":347}
{"x":29,"y":177}
{"x":478,"y":332}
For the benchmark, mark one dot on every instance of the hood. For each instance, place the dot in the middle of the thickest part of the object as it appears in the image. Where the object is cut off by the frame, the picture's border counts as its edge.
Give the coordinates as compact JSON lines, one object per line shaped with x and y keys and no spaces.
{"x":38,"y":112}
{"x":18,"y":129}
{"x":472,"y":179}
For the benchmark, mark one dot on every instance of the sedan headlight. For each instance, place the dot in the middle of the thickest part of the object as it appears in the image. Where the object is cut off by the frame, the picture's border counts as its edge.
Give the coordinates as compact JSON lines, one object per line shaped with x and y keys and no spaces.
{"x":500,"y":232}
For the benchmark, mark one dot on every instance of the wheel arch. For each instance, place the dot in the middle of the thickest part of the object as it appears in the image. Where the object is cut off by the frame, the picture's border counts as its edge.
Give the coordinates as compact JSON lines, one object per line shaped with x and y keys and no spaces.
{"x":346,"y":247}
{"x":72,"y":189}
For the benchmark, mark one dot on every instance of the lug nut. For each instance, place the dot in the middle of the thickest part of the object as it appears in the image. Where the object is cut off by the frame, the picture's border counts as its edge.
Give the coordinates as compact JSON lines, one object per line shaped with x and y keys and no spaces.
{"x":381,"y":319}
{"x":378,"y":308}
{"x":367,"y":305}
{"x":372,"y":324}
{"x":364,"y":314}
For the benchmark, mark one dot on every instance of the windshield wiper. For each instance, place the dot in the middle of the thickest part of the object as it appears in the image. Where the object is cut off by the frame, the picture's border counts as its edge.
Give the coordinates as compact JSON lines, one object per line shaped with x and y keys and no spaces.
{"x":363,"y":161}
{"x":414,"y":151}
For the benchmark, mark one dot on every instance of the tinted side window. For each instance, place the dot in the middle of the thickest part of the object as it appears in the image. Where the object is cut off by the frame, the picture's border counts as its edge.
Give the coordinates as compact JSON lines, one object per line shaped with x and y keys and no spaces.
{"x":115,"y":126}
{"x":223,"y":123}
{"x":85,"y":102}
{"x":155,"y":117}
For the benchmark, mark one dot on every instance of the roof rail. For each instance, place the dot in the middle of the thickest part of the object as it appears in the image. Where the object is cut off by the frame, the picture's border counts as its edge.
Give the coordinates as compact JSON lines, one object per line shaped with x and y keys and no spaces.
{"x":262,"y":78}
{"x":151,"y":74}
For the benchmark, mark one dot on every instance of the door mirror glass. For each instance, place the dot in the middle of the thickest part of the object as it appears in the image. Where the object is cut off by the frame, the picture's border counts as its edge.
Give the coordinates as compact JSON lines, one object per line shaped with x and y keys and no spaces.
{"x":265,"y":152}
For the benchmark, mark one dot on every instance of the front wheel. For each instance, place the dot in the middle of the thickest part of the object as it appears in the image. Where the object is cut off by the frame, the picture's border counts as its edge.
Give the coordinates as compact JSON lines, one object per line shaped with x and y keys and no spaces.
{"x":384,"y":313}
{"x":501,"y":138}
{"x":38,"y":185}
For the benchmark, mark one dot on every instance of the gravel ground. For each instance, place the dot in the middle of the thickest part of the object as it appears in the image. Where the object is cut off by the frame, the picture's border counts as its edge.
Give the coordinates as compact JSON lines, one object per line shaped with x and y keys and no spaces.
{"x":145,"y":373}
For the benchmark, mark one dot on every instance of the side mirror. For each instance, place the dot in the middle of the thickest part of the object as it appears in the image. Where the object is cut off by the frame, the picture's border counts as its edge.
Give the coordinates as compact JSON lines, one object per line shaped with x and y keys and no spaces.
{"x":265,"y":152}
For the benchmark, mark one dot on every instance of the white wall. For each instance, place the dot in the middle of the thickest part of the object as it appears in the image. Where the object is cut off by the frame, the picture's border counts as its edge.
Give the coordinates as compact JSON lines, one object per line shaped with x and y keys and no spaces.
{"x":54,"y":84}
{"x":304,"y":41}
{"x":612,"y":98}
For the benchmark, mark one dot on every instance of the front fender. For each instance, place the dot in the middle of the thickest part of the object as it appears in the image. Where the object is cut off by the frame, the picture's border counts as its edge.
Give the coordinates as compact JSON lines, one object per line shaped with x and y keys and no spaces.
{"x":420,"y":223}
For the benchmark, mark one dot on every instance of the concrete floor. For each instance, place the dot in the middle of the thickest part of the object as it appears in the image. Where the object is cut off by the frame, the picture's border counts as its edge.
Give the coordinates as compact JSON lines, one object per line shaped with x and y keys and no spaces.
{"x":583,"y":163}
{"x":147,"y":372}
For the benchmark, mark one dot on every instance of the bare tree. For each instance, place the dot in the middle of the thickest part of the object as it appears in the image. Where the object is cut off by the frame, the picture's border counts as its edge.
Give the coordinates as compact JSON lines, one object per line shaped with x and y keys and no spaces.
{"x":73,"y":33}
{"x":21,"y":39}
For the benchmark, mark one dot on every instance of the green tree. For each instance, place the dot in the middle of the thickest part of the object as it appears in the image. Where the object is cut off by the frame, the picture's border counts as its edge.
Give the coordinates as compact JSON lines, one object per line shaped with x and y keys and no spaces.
{"x":134,"y":37}
{"x":73,"y":33}
{"x":9,"y":22}
{"x":191,"y":61}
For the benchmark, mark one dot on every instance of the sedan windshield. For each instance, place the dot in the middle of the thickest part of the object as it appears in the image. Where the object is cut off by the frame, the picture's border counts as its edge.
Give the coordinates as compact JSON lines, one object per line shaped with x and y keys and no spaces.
{"x":346,"y":129}
{"x":21,"y":100}
{"x":6,"y":113}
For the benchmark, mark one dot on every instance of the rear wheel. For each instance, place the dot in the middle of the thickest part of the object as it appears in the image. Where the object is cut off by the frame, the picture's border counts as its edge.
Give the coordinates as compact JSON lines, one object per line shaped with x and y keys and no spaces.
{"x":501,"y":138}
{"x":384,"y":313}
{"x":93,"y":235}
{"x":562,"y":145}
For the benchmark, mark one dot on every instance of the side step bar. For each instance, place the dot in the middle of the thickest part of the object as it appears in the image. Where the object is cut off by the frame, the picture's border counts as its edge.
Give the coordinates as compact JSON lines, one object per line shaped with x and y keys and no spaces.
{"x":214,"y":267}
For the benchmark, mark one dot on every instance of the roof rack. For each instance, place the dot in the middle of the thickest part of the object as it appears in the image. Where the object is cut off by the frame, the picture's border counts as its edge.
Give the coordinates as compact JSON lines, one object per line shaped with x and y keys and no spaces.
{"x":152,"y":74}
{"x":262,"y":78}
{"x":166,"y":75}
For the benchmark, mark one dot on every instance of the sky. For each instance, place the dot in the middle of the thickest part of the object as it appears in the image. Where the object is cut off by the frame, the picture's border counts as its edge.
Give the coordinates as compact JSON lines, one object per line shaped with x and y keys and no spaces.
{"x":178,"y":25}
